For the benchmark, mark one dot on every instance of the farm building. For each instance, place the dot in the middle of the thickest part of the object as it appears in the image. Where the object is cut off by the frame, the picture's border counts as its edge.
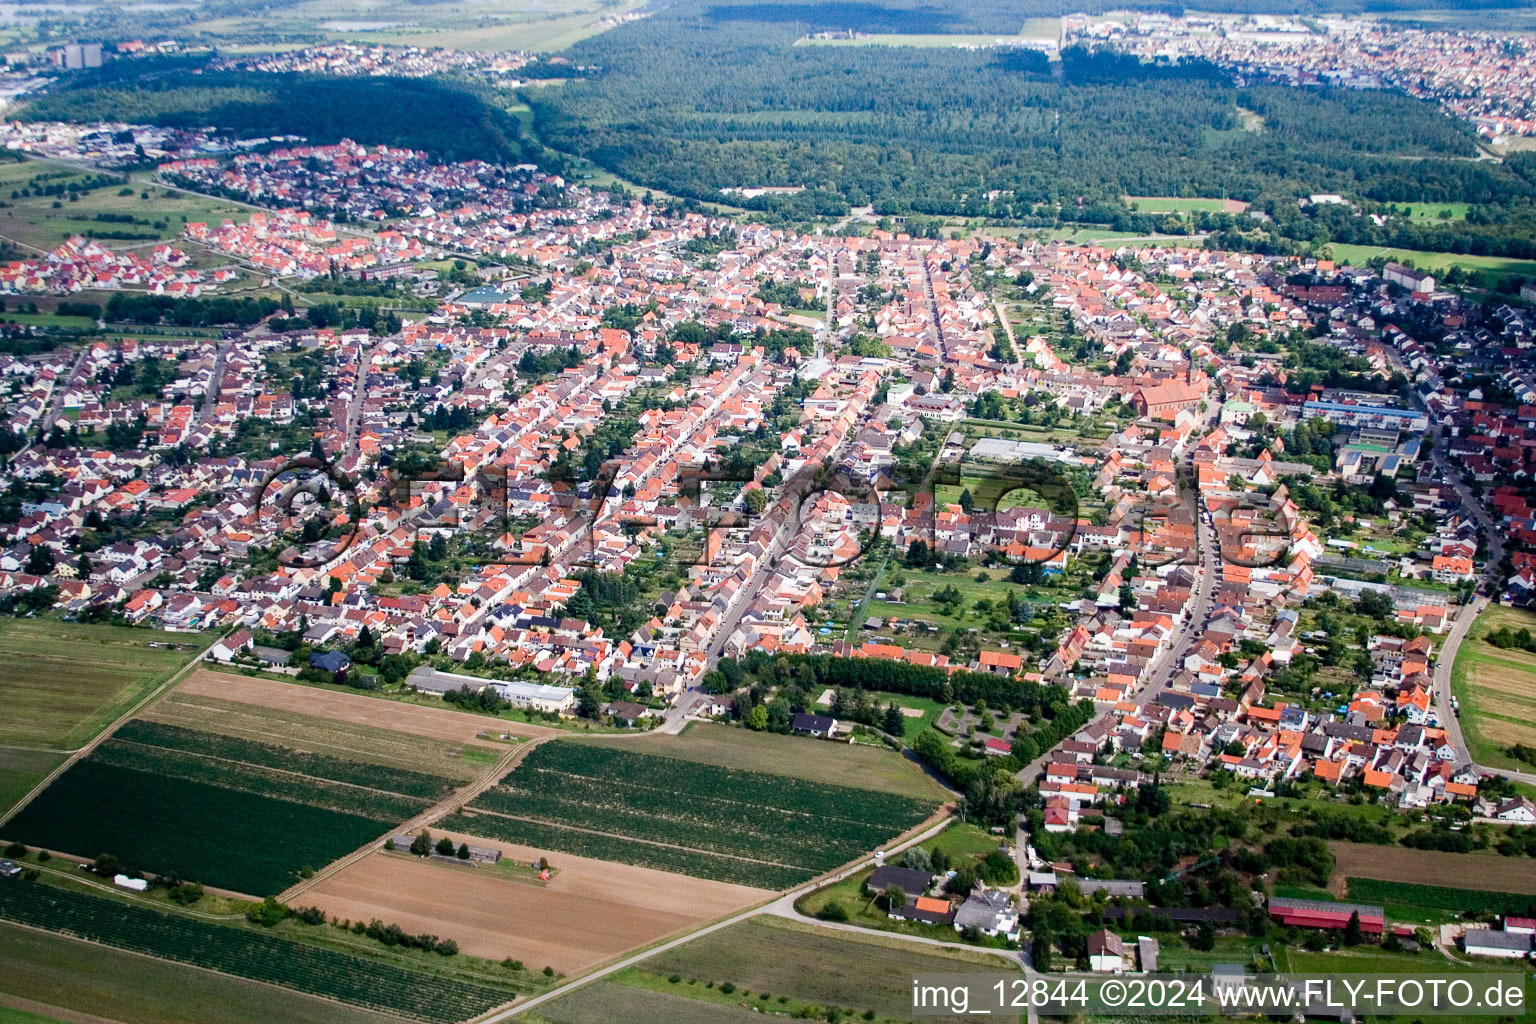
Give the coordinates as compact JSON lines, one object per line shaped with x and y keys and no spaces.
{"x":1326,"y":914}
{"x":913,"y":882}
{"x":539,"y":696}
{"x":927,"y":909}
{"x":1505,"y":944}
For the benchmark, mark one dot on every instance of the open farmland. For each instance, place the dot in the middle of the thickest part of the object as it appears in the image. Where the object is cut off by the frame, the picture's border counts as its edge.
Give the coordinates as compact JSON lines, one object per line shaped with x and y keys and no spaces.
{"x":500,"y":912}
{"x":813,"y":965}
{"x":1497,"y":687}
{"x":1402,"y":864}
{"x":228,"y":812}
{"x":440,"y":723}
{"x":366,"y":743}
{"x":72,"y":978}
{"x":738,"y":826}
{"x":21,"y":769}
{"x":248,"y":954}
{"x":1437,"y":897}
{"x":839,"y":764}
{"x":137,"y":213}
{"x":64,"y":682}
{"x":609,"y":1001}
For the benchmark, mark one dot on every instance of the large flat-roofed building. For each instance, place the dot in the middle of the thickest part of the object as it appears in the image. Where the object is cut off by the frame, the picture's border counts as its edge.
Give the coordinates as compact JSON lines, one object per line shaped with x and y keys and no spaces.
{"x":1383,"y":417}
{"x":1326,"y":914}
{"x":538,"y":696}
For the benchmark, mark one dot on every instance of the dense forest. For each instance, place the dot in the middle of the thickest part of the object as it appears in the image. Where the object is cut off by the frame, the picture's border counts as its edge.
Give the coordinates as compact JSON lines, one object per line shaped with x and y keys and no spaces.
{"x":706,"y":95}
{"x":451,"y":121}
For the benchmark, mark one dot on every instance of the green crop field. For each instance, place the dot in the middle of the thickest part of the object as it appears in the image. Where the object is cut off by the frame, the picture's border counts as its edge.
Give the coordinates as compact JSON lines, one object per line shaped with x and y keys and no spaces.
{"x":1490,"y":268}
{"x":608,"y":1001}
{"x":67,"y":682}
{"x":839,"y":764}
{"x":1435,"y":897}
{"x":110,"y":984}
{"x":851,"y":971}
{"x":726,"y":823}
{"x":21,"y":769}
{"x":248,"y":954}
{"x":225,"y":811}
{"x":1497,"y":689}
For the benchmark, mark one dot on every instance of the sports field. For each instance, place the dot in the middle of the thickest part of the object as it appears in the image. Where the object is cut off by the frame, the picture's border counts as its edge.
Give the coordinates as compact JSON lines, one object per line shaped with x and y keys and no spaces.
{"x":1497,"y":689}
{"x":65,"y":682}
{"x":1175,"y":204}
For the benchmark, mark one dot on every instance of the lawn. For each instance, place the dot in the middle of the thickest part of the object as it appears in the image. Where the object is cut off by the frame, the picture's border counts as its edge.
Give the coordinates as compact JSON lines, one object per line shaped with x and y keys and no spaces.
{"x":1491,"y":268}
{"x":630,"y":998}
{"x":80,"y":977}
{"x":1175,"y":204}
{"x":1438,"y":211}
{"x":799,"y":757}
{"x":1497,"y":689}
{"x":66,"y":682}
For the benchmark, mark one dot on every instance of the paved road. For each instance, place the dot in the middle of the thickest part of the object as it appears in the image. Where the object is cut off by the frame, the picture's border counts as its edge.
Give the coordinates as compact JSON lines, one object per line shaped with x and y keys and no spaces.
{"x":211,"y":397}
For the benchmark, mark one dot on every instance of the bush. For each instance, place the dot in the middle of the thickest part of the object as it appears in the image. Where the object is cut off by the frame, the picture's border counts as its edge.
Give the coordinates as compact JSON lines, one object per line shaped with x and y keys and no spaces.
{"x":727,"y":987}
{"x":16,"y":851}
{"x":833,"y":911}
{"x":674,"y":978}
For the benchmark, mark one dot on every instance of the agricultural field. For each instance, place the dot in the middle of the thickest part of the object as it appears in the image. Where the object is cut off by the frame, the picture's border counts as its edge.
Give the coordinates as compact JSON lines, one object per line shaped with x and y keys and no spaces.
{"x":507,"y":912}
{"x":1174,"y":204}
{"x":1490,"y":268}
{"x":455,"y":24}
{"x":745,"y":827}
{"x":1497,"y":689}
{"x":609,"y":1001}
{"x":21,"y":770}
{"x":66,"y":682}
{"x":833,"y":764}
{"x":231,"y":813}
{"x":354,"y":708}
{"x":1411,"y":900}
{"x":923,"y":41}
{"x":1403,"y":864}
{"x":812,"y":965}
{"x":69,"y":977}
{"x":139,"y":209}
{"x":247,"y":953}
{"x":296,"y":730}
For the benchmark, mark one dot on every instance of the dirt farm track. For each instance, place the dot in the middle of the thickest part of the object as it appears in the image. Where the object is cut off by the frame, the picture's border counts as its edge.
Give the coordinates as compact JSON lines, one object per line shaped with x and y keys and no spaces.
{"x":589,"y":912}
